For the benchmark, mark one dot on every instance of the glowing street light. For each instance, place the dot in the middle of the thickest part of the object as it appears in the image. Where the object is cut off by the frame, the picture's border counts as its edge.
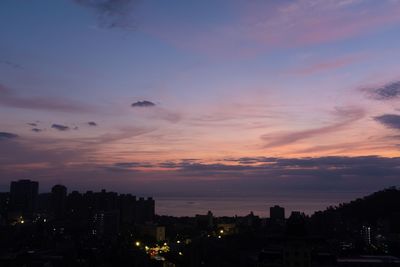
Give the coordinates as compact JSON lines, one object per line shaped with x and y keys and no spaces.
{"x":137,"y":243}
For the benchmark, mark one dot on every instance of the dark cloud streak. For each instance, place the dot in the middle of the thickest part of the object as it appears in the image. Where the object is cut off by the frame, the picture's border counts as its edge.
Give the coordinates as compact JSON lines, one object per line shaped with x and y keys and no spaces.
{"x":112,"y":13}
{"x":7,"y":136}
{"x":143,"y":103}
{"x":389,"y":120}
{"x":387,"y":92}
{"x":11,"y":64}
{"x":319,"y":168}
{"x":60,"y":127}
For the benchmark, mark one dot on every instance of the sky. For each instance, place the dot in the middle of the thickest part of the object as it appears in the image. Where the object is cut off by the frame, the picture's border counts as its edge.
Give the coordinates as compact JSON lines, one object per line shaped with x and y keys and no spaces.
{"x":201,"y":98}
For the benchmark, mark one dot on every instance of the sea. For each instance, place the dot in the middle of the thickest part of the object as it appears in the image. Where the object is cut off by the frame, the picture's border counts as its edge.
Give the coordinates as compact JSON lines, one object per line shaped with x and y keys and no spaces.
{"x":243,"y":205}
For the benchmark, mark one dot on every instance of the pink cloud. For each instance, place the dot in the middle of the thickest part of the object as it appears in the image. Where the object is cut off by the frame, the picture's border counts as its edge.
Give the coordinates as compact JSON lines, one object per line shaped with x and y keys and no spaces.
{"x":345,"y":118}
{"x":313,"y":22}
{"x":9,"y":98}
{"x":326,"y":65}
{"x":257,"y":27}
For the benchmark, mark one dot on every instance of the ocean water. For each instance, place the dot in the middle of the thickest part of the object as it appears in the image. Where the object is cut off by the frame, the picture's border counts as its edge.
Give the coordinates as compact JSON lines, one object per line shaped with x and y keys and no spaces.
{"x":243,"y":205}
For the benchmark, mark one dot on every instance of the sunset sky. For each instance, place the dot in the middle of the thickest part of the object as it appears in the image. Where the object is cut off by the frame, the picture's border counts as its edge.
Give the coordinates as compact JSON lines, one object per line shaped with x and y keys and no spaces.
{"x":201,"y":97}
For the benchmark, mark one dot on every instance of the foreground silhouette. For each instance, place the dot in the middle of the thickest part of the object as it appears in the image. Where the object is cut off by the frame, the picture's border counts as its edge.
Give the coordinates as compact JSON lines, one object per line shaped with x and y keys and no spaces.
{"x":108,"y":229}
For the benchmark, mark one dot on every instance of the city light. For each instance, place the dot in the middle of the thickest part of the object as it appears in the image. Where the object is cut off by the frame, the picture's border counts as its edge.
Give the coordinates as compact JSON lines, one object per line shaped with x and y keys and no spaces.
{"x":155,"y":251}
{"x":137,"y":243}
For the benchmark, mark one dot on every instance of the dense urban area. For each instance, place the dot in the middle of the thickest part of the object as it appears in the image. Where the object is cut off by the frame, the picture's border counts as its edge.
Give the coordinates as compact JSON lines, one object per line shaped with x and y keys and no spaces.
{"x":110,"y":229}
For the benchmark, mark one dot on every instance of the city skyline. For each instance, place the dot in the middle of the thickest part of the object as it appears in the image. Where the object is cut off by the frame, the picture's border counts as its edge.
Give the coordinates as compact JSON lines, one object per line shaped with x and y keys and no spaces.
{"x":210,"y":98}
{"x":24,"y":196}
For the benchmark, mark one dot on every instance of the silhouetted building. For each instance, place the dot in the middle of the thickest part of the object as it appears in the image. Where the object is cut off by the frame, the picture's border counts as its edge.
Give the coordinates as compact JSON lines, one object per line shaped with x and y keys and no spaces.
{"x":127,"y":208}
{"x":154,"y":231}
{"x":366,"y":235}
{"x":205,"y":221}
{"x":23,"y":197}
{"x":59,"y":201}
{"x":74,"y":203}
{"x":277,"y":213}
{"x":44,"y":204}
{"x":296,"y":224}
{"x":105,"y":201}
{"x":4,"y":201}
{"x":105,"y":224}
{"x":251,"y":220}
{"x":145,"y":210}
{"x":149,"y":209}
